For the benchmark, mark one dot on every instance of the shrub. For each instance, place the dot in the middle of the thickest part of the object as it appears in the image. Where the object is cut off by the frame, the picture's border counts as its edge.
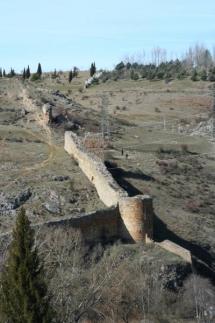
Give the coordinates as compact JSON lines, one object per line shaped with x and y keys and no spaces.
{"x":203,"y":75}
{"x":134,"y":76}
{"x":35,"y":77}
{"x":194,"y":76}
{"x":211,"y":76}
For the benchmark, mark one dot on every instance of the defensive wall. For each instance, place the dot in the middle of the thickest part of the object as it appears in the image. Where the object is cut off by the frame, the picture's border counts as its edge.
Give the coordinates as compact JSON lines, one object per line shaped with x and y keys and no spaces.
{"x":127,"y":218}
{"x":107,"y":188}
{"x":136,"y":213}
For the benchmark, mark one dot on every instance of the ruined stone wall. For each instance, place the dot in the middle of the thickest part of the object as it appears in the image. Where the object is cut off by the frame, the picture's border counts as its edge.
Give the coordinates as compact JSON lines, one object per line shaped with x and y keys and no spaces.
{"x":98,"y":226}
{"x":47,"y":112}
{"x":176,"y":249}
{"x":136,"y":214}
{"x":108,"y":190}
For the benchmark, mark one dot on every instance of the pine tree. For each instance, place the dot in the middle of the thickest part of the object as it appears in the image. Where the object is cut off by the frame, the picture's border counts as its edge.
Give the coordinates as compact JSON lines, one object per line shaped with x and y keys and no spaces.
{"x":75,"y":72}
{"x":12,"y":72}
{"x":24,"y":74}
{"x":203,"y":75}
{"x":92,"y":69}
{"x":194,"y":76}
{"x":23,"y":289}
{"x":28,"y":72}
{"x":39,"y":70}
{"x":1,"y":72}
{"x":4,"y":73}
{"x":70,"y":76}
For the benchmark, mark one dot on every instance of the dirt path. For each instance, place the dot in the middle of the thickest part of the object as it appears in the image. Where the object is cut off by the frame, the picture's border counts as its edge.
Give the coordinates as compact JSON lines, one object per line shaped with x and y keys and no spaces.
{"x":16,"y":89}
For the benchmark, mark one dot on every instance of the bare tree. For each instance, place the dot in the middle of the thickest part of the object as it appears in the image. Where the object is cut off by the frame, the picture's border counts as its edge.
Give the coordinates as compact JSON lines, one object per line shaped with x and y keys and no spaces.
{"x":158,"y":55}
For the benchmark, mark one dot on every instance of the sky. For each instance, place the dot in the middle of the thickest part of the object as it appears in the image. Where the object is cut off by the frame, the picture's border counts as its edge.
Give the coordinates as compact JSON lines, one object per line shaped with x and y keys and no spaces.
{"x":63,"y":33}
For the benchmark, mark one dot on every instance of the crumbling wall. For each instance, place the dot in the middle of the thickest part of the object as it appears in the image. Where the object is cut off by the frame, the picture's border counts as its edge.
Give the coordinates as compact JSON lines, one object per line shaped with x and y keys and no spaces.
{"x":47,"y":112}
{"x":98,"y":226}
{"x":136,"y":213}
{"x":176,"y":249}
{"x":137,"y":216}
{"x":108,"y":190}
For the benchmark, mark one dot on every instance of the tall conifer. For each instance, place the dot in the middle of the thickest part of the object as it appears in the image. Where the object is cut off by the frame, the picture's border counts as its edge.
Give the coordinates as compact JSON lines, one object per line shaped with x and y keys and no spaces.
{"x":28,"y":72}
{"x":23,"y":289}
{"x":70,"y":76}
{"x":39,"y":70}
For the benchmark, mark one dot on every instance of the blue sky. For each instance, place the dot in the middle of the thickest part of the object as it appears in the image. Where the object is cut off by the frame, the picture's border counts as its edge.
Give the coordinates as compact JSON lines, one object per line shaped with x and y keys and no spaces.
{"x":64,"y":33}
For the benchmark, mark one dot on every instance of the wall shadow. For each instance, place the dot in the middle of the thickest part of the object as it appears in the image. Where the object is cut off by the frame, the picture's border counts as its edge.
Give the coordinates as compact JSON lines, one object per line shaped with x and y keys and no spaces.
{"x":120,"y":175}
{"x":203,"y":261}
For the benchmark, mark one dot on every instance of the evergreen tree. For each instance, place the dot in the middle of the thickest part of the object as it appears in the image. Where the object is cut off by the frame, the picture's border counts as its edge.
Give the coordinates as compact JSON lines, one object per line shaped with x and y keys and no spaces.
{"x":23,"y":289}
{"x":28,"y":72}
{"x":4,"y":73}
{"x":92,"y":69}
{"x":75,"y":72}
{"x":39,"y":70}
{"x":24,"y":74}
{"x":211,"y":76}
{"x":70,"y":76}
{"x":12,"y":73}
{"x":1,"y":72}
{"x":119,"y":66}
{"x":194,"y":76}
{"x":203,"y":75}
{"x":133,"y":75}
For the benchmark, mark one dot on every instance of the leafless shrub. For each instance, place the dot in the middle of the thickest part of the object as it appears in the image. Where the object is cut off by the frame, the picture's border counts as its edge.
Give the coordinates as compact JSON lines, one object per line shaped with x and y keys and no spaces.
{"x":167,"y":165}
{"x":197,"y":299}
{"x":116,"y":283}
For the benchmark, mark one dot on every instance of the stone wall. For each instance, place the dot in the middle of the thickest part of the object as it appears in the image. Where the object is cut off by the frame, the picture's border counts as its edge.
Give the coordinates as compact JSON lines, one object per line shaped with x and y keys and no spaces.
{"x":98,"y":226}
{"x":47,"y":112}
{"x":176,"y":249}
{"x":136,"y":214}
{"x":108,"y":190}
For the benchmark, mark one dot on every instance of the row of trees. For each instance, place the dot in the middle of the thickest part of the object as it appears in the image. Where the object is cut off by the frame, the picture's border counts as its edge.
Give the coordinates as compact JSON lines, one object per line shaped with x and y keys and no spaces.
{"x":73,"y":73}
{"x":26,"y":74}
{"x":197,"y":56}
{"x":198,"y":63}
{"x":166,"y":70}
